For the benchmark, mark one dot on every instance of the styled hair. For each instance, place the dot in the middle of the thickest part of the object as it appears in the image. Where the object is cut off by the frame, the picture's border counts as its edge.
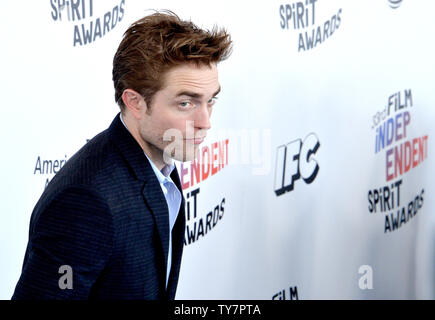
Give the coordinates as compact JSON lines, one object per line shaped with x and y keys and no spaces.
{"x":156,"y":43}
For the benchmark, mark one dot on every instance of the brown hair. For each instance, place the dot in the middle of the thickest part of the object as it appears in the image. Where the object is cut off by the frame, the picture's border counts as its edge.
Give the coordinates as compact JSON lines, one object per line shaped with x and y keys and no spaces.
{"x":158,"y":42}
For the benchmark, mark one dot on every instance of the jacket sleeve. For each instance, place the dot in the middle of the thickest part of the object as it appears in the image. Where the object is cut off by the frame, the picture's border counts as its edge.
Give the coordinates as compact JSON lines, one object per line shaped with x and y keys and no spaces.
{"x":69,"y":245}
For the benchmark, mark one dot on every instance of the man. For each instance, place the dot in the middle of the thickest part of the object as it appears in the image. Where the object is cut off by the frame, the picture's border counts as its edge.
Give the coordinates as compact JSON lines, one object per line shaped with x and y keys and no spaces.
{"x":110,"y":225}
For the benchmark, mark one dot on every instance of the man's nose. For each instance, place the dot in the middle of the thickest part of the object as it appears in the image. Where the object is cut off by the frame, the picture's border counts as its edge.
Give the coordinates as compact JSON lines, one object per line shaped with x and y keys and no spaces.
{"x":202,"y":118}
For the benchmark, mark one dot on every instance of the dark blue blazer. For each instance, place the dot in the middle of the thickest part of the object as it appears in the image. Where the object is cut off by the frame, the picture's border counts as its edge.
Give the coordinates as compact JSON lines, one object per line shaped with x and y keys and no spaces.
{"x":104,"y":215}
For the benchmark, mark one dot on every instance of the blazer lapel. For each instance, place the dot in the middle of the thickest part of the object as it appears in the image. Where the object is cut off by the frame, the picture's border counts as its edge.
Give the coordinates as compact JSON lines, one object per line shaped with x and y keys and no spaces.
{"x":152,"y":192}
{"x":156,"y":203}
{"x":177,"y":241}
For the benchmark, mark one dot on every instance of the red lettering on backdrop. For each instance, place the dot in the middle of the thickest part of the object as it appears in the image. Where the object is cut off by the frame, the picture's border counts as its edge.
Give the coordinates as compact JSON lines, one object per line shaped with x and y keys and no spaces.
{"x":214,"y":157}
{"x":421,"y":149}
{"x":398,"y":160}
{"x":223,"y":150}
{"x":414,"y":152}
{"x":195,"y":168}
{"x":221,"y":155}
{"x":183,"y":172}
{"x":408,"y":158}
{"x":205,"y":164}
{"x":389,"y":164}
{"x":209,"y":162}
{"x":405,"y":156}
{"x":425,"y":146}
{"x":226,"y":150}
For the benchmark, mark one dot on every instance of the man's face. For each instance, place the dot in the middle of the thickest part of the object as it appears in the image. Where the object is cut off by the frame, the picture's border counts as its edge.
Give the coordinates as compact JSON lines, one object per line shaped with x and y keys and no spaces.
{"x":178,"y":119}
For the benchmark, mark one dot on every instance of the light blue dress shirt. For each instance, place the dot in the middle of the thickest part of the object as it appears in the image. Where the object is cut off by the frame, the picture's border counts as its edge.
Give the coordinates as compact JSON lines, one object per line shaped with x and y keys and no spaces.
{"x":173,"y":199}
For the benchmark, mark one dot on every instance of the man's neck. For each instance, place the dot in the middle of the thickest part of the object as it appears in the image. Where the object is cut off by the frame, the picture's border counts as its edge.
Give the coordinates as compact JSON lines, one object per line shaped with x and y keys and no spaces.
{"x":153,"y":153}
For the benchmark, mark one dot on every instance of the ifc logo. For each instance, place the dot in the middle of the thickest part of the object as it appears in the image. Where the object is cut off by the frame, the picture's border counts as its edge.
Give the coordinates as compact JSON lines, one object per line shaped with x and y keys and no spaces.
{"x":395,"y":3}
{"x":295,"y":160}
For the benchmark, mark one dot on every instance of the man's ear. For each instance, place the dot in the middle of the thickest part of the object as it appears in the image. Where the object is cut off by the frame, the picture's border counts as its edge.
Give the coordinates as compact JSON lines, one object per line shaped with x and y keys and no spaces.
{"x":134,"y":102}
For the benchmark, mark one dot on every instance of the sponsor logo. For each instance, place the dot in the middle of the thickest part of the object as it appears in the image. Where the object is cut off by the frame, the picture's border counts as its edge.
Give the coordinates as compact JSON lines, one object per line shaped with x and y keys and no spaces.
{"x":402,"y":154}
{"x":48,"y":167}
{"x":295,"y":160}
{"x":301,"y":17}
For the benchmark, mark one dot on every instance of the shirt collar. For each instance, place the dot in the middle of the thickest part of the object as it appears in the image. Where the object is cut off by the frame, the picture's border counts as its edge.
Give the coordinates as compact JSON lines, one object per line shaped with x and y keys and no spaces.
{"x":162,"y":175}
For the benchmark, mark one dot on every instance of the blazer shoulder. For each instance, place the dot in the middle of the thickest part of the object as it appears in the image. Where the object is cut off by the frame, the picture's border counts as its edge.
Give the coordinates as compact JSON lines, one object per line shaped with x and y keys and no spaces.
{"x":95,"y":159}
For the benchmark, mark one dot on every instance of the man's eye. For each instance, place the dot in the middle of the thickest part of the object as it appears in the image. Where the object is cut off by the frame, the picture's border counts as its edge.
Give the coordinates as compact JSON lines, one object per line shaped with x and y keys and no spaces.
{"x":184,"y":104}
{"x":212,"y":100}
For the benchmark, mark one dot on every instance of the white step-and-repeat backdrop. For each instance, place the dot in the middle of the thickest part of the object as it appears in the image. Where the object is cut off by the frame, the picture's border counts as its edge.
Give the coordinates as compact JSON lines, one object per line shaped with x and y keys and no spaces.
{"x":319,"y":181}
